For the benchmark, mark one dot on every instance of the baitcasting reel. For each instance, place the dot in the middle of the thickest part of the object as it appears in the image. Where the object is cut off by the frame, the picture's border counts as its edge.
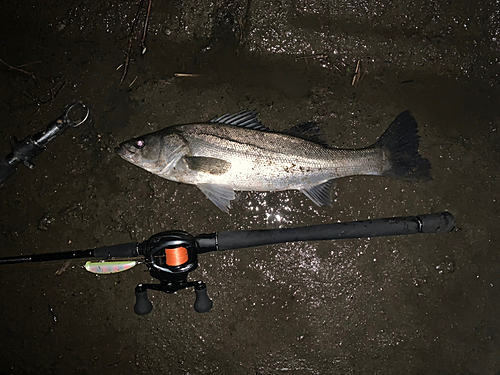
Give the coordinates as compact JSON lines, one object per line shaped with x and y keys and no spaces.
{"x":170,"y":256}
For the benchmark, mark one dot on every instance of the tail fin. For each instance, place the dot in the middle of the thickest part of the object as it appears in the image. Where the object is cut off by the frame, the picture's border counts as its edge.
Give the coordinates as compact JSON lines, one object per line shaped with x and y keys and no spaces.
{"x":400,"y":141}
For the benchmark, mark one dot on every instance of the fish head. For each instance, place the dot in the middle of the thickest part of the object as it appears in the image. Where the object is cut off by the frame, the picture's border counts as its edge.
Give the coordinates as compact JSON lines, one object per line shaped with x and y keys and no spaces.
{"x":155,"y":152}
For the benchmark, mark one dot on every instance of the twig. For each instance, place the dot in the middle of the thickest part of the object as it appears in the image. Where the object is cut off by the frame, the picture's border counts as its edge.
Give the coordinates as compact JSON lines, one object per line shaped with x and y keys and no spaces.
{"x":51,"y":93}
{"x":143,"y":40}
{"x":244,"y":25}
{"x":54,"y":94}
{"x":131,"y":83}
{"x":358,"y":74}
{"x":33,"y":62}
{"x":33,"y":100}
{"x":134,"y":23}
{"x":127,"y":61}
{"x":19,"y":69}
{"x":186,"y":75}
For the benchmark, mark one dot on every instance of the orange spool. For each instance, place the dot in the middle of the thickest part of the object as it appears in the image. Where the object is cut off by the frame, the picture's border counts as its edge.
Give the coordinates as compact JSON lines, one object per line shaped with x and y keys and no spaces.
{"x":176,"y":256}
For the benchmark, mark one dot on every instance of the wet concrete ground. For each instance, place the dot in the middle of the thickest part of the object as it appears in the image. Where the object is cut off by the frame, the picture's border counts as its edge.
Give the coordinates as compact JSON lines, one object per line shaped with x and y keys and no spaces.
{"x":416,"y":304}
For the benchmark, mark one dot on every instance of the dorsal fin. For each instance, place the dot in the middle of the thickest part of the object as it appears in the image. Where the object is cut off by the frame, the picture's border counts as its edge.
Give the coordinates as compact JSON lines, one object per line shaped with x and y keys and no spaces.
{"x":245,"y":119}
{"x":308,"y":131}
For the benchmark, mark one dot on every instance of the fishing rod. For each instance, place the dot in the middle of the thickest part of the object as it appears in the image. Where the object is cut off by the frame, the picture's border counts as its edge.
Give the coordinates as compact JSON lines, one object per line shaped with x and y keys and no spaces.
{"x":170,"y":256}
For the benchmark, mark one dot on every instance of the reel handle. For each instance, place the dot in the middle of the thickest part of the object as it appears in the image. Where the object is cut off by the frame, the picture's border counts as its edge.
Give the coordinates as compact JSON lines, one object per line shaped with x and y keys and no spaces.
{"x":203,"y":302}
{"x":142,"y":305}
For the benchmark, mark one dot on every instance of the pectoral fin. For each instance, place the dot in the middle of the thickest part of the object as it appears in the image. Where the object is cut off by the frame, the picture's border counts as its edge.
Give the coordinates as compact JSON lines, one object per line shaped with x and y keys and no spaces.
{"x":207,"y":165}
{"x":220,"y":195}
{"x":320,"y":194}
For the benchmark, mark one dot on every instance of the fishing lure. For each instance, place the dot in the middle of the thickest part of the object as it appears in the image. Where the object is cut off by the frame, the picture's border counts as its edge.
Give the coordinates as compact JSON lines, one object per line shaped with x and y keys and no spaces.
{"x":105,"y":268}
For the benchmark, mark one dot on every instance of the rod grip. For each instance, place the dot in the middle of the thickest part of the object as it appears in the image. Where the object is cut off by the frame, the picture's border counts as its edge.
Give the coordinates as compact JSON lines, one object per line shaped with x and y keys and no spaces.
{"x":429,"y":223}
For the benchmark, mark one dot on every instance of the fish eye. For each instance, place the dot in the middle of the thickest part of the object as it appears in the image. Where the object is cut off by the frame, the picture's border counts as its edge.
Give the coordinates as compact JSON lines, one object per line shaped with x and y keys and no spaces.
{"x":139,"y":143}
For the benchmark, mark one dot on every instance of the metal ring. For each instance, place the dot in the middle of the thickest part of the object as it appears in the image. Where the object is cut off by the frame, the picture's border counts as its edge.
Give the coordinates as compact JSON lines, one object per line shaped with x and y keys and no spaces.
{"x":72,"y":123}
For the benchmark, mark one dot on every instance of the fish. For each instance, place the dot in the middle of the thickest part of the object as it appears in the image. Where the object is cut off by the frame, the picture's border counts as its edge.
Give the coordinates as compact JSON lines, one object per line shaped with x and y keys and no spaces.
{"x":235,"y":152}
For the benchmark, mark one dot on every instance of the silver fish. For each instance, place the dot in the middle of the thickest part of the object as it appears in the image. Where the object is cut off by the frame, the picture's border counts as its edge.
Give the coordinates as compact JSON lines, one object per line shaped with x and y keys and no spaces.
{"x":236,"y":152}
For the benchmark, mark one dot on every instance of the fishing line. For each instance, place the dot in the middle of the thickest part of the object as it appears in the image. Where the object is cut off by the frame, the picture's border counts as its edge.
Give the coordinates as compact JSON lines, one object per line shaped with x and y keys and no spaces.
{"x":176,"y":256}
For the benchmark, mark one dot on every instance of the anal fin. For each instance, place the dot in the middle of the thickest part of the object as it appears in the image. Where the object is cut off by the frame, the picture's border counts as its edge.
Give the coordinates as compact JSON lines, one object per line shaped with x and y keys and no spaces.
{"x":320,"y":194}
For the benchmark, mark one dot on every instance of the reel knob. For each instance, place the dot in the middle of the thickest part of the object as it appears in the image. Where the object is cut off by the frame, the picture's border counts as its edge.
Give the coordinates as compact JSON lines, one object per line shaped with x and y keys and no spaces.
{"x":143,"y":305}
{"x":203,"y":302}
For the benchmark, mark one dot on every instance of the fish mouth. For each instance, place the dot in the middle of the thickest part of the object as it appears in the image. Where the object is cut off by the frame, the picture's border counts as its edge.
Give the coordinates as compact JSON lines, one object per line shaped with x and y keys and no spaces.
{"x":125,"y":151}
